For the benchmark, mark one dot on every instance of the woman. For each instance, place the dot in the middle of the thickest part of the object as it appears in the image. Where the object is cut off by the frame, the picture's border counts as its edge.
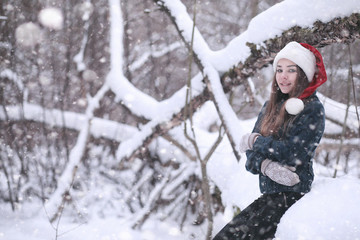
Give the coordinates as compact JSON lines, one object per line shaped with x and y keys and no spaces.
{"x":283,"y":142}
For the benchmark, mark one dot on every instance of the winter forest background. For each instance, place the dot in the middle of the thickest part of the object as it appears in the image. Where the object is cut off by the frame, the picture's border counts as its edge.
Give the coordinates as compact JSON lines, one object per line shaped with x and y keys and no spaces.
{"x":113,"y":109}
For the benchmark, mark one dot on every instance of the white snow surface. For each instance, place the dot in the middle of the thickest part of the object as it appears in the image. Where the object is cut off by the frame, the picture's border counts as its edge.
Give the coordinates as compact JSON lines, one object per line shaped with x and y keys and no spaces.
{"x":330,"y":211}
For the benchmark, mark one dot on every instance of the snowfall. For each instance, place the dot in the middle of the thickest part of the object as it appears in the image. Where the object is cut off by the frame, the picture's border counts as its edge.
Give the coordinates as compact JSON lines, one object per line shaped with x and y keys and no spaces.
{"x":330,"y":211}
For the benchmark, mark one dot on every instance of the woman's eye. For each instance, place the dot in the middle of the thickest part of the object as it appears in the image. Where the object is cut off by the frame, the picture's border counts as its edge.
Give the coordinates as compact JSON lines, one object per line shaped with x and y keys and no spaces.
{"x":279,"y":70}
{"x":292,"y":70}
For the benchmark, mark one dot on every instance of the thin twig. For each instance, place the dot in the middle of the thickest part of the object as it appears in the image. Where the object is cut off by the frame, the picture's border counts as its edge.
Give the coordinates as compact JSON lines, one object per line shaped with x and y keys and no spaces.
{"x":351,"y":75}
{"x":345,"y":120}
{"x":180,"y":146}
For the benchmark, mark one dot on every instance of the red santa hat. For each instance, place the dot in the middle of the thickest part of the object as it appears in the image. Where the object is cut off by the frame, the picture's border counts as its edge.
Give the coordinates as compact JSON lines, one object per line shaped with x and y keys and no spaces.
{"x":310,"y":61}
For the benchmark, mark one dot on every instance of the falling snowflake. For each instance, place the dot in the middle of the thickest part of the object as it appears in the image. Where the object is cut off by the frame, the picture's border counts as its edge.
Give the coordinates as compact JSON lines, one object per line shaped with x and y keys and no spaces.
{"x":28,"y":34}
{"x":86,"y":9}
{"x":51,"y":18}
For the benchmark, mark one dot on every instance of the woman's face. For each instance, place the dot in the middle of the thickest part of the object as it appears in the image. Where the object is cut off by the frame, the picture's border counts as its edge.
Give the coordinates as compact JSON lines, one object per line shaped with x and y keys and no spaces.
{"x":286,"y":74}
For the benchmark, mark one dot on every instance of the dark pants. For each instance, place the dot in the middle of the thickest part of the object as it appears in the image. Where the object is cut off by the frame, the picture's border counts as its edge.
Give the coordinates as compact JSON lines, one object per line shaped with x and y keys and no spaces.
{"x":260,"y":219}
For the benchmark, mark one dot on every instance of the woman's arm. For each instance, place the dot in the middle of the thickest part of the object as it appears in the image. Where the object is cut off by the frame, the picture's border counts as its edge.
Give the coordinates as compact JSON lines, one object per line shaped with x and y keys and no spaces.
{"x":300,"y":141}
{"x":253,"y":161}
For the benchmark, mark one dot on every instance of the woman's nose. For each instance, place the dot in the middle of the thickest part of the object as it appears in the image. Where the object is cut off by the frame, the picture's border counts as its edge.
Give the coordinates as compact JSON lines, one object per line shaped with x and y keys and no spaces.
{"x":283,"y":75}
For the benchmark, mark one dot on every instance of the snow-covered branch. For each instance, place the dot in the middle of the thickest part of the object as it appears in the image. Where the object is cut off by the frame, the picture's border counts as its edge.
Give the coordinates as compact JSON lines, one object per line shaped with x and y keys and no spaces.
{"x":335,"y":112}
{"x":55,"y":204}
{"x":275,"y":22}
{"x":155,"y":54}
{"x":150,"y":204}
{"x":183,"y":22}
{"x":53,"y":117}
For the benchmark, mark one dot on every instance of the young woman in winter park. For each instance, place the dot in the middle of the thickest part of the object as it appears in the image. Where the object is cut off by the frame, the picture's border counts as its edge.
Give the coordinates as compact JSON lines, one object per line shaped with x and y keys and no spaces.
{"x":283,"y":142}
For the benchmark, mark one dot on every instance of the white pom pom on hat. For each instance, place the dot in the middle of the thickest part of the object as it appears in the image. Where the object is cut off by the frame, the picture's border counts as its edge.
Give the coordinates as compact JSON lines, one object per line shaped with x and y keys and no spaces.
{"x":294,"y":106}
{"x":303,"y":57}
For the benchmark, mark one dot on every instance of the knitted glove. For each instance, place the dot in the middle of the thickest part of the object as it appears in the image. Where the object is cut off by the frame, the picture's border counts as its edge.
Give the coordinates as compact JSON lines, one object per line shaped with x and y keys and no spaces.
{"x":282,"y":174}
{"x":247,"y":141}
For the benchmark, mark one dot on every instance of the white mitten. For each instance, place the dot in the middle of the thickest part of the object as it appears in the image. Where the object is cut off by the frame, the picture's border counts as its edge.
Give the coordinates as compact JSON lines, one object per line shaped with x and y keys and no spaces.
{"x":247,"y":141}
{"x":282,"y":174}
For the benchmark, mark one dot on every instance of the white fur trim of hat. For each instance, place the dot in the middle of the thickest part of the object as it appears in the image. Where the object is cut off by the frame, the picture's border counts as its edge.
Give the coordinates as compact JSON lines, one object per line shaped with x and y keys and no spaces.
{"x":303,"y":57}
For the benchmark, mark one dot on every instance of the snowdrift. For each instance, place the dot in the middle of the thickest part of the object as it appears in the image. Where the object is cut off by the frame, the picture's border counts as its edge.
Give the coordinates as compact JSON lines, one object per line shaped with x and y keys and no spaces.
{"x":330,"y":211}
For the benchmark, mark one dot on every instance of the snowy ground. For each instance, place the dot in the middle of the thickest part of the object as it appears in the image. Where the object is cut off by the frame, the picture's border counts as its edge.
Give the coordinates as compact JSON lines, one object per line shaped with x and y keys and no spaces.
{"x":329,"y":212}
{"x":19,"y":227}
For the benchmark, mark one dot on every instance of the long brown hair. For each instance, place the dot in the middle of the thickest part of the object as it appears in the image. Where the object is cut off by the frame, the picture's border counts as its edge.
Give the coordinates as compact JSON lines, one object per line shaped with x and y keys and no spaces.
{"x":276,"y":116}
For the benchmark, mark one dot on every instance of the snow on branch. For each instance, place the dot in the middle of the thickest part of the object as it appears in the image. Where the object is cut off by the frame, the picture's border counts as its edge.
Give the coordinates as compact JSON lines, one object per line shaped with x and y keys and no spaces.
{"x":55,"y":204}
{"x":287,"y":15}
{"x":169,"y":117}
{"x":135,"y":100}
{"x":79,"y":58}
{"x":335,"y":112}
{"x":138,"y":102}
{"x":151,"y":204}
{"x":9,"y":74}
{"x":155,"y":54}
{"x":53,"y":117}
{"x":135,"y":188}
{"x":12,"y":76}
{"x":185,"y":25}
